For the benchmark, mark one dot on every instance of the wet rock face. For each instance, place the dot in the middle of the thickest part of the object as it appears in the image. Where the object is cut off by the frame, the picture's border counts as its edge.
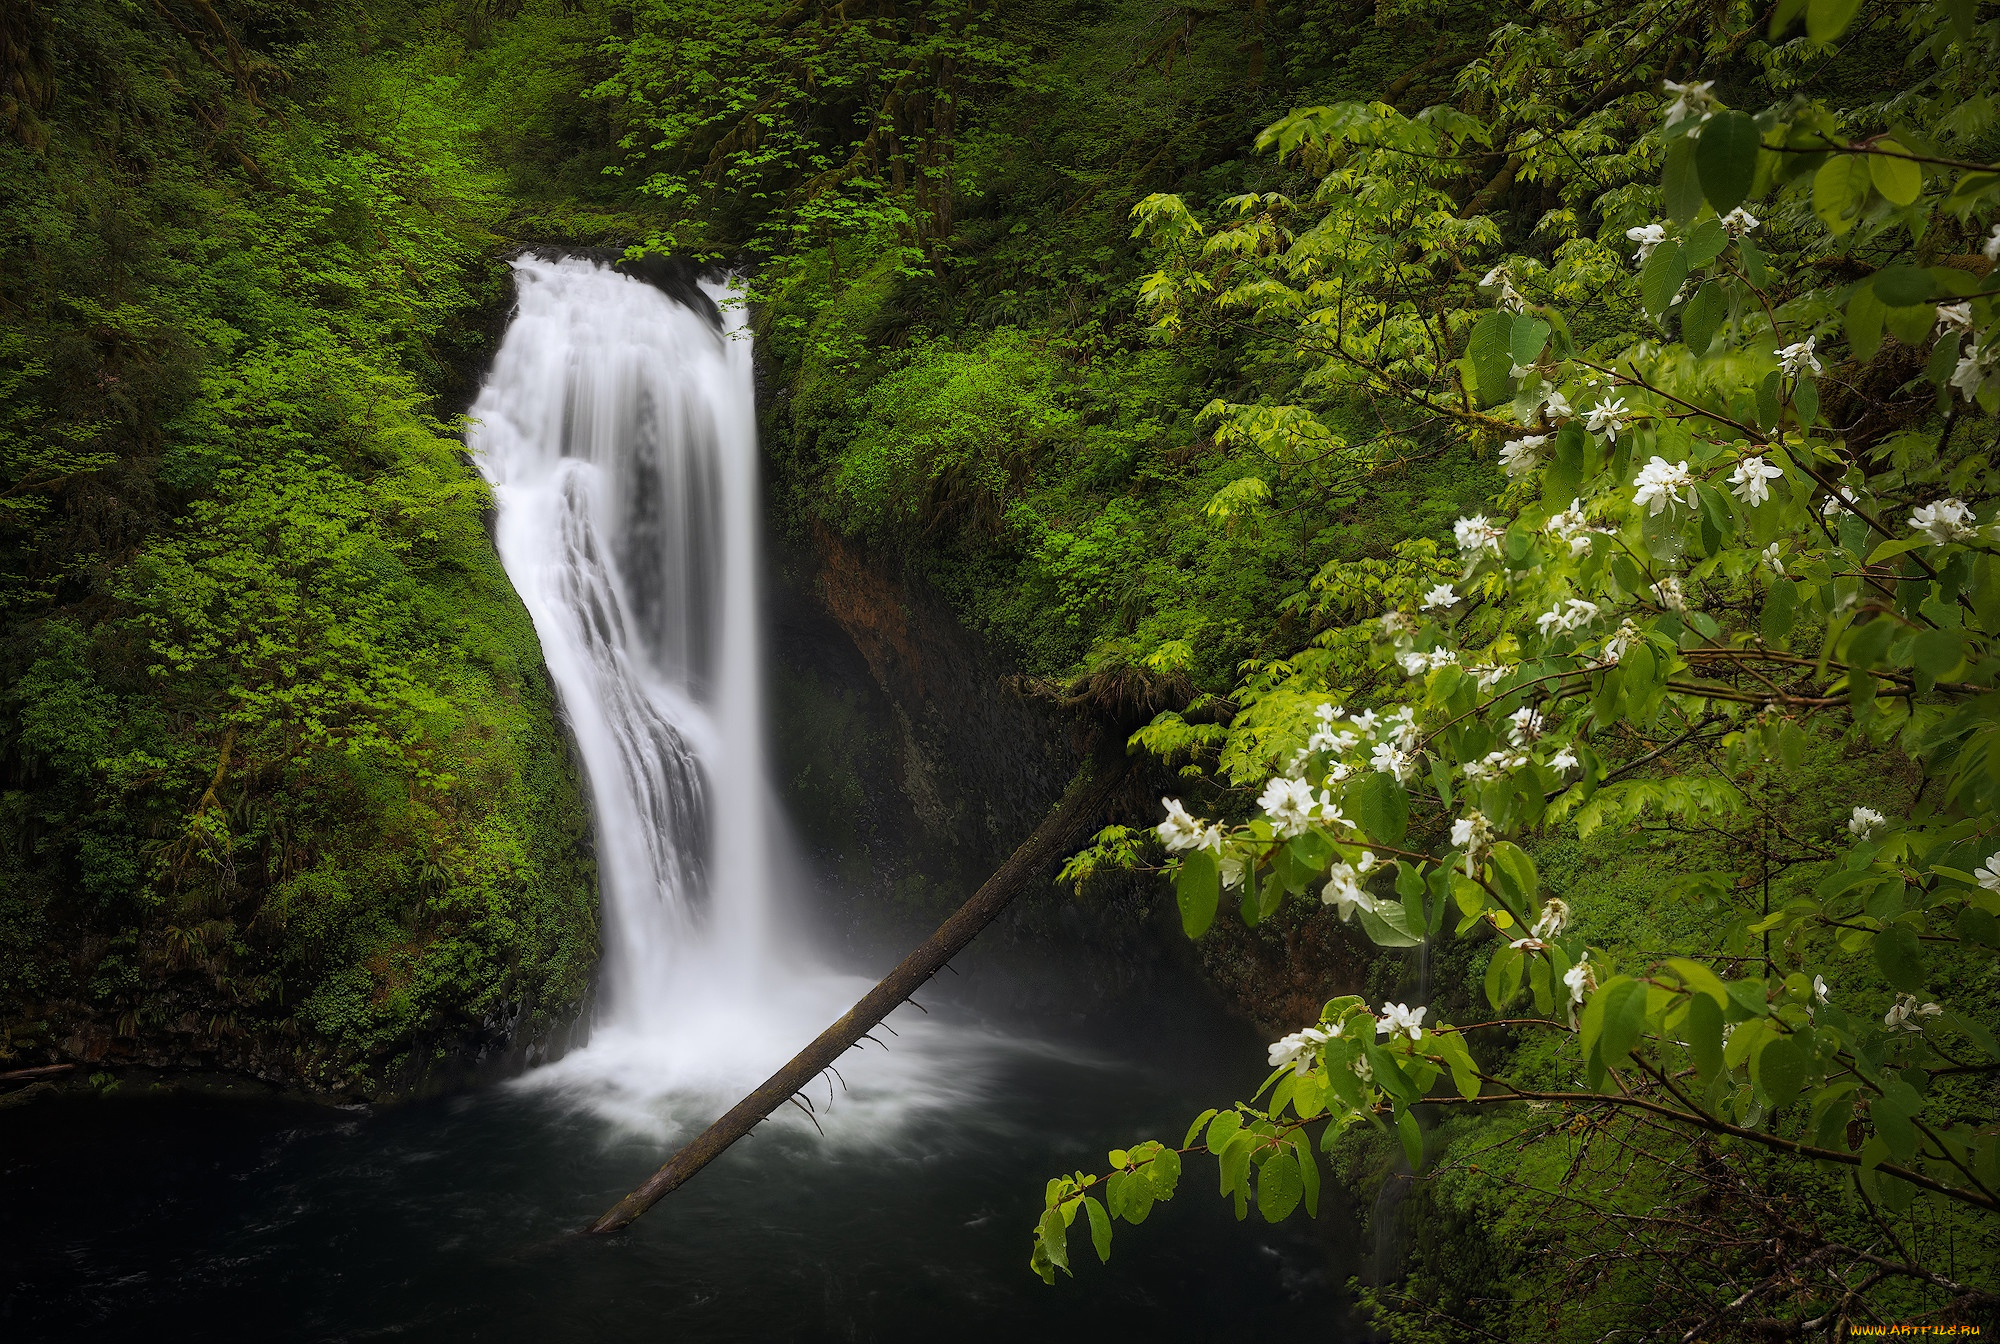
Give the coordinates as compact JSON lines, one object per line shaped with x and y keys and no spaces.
{"x":908,"y":770}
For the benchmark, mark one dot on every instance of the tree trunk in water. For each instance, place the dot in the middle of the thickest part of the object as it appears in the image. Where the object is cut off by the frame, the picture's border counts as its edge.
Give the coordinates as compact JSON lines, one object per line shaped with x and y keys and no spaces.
{"x":1081,"y":804}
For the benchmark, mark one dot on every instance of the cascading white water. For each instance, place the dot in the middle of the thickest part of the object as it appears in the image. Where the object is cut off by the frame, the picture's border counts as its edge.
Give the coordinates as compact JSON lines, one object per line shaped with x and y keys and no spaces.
{"x":618,"y":430}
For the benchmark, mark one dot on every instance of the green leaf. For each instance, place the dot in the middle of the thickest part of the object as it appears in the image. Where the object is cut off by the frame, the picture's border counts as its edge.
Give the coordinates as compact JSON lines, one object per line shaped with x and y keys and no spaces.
{"x":1279,"y":1187}
{"x":1516,"y":872}
{"x":1197,"y":889}
{"x":1778,"y":1070}
{"x":1781,"y":607}
{"x":1704,"y":1035}
{"x":1563,"y":477}
{"x":1892,"y":1112}
{"x":1100,"y":1228}
{"x":1699,"y":979}
{"x":1805,"y":401}
{"x":1624,"y":1019}
{"x":1900,"y":957}
{"x":1726,"y":159}
{"x":1383,"y":807}
{"x":1055,"y":1238}
{"x":1489,"y":351}
{"x":1661,"y":277}
{"x":1221,"y":1130}
{"x":1937,"y":652}
{"x":1388,"y":926}
{"x":1706,"y":241}
{"x":1702,"y":318}
{"x":1528,"y":337}
{"x":1769,"y":406}
{"x":1680,"y":183}
{"x":1897,"y":178}
{"x":1840,"y":188}
{"x":1902,"y":286}
{"x":1413,"y":1139}
{"x":1865,"y":311}
{"x":1828,"y":19}
{"x":1503,"y":976}
{"x":1308,"y":1176}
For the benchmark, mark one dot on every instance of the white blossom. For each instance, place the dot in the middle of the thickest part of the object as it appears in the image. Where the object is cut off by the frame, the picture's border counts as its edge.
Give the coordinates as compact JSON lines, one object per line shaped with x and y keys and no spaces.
{"x":1366,"y":720}
{"x":1363,"y":1069}
{"x":1555,"y":406}
{"x":1992,"y":247}
{"x":1343,"y":891}
{"x":1579,"y":979}
{"x":1472,"y":834}
{"x":1181,"y":831}
{"x":1955,"y":318}
{"x":1564,"y":761}
{"x":1621,"y":640}
{"x":1648,"y":237}
{"x":1567,"y":614}
{"x":1494,"y":276}
{"x":1690,"y":99}
{"x":1669,"y":595}
{"x":1948,"y":520}
{"x":1394,"y":623}
{"x":1232,"y":871}
{"x":1489,"y":675}
{"x":1397,"y":1020}
{"x":1772,"y":558}
{"x":1336,"y":741}
{"x":1659,"y":485}
{"x":1476,"y":534}
{"x":1527,"y":725}
{"x":1519,"y":370}
{"x":1554,"y":918}
{"x":1865,"y":822}
{"x":1739,"y":222}
{"x":1976,"y":368}
{"x":1903,"y":1014}
{"x":1572,"y":527}
{"x":1751,"y":479}
{"x":1440,"y":596}
{"x":1521,"y":456}
{"x":1607,"y":417}
{"x":1292,"y":807}
{"x":1494,"y":764}
{"x":1393,"y":761}
{"x":1799,"y":356}
{"x":1839,"y":504}
{"x":1989,"y":873}
{"x":1298,"y":1049}
{"x":1821,"y":991}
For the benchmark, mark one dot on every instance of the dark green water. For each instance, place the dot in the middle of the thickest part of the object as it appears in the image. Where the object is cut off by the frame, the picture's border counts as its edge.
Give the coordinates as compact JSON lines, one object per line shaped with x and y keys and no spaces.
{"x":181,"y":1218}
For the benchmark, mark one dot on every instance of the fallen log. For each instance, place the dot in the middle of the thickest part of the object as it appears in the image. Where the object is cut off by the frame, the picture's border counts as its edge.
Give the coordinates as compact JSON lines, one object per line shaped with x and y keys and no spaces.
{"x":1080,"y":806}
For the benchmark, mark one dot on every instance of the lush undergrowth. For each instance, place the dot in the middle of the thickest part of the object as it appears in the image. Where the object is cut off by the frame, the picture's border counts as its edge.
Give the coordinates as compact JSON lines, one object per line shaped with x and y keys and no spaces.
{"x":284,"y":785}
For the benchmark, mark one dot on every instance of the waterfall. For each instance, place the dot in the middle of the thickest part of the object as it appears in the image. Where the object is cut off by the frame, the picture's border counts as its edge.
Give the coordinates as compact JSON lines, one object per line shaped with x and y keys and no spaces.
{"x":618,"y":430}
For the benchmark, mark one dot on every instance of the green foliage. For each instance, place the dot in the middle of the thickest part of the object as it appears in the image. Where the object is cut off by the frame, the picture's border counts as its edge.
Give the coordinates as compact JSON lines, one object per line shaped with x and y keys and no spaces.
{"x":283,"y":784}
{"x":1606,"y":650}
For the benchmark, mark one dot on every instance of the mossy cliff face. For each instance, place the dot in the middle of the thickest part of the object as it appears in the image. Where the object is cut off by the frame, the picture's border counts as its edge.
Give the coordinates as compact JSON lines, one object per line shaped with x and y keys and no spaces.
{"x":283,"y":786}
